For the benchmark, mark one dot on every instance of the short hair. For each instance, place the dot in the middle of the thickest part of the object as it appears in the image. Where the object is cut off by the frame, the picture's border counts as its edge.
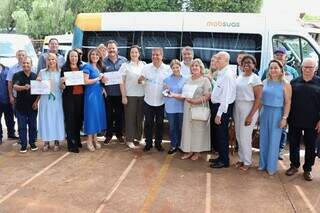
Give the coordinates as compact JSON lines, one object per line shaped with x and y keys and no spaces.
{"x":310,"y":59}
{"x":225,"y":54}
{"x":158,"y":49}
{"x":175,"y":62}
{"x":19,"y":51}
{"x":251,"y":57}
{"x":187,"y":48}
{"x":242,"y":52}
{"x":28,"y":57}
{"x":53,"y":39}
{"x":200,"y":63}
{"x":112,"y":42}
{"x":281,"y":67}
{"x":101,"y":46}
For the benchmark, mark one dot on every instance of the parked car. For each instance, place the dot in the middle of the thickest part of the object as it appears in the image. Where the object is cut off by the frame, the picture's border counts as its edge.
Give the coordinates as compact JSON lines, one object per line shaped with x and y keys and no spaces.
{"x":10,"y":44}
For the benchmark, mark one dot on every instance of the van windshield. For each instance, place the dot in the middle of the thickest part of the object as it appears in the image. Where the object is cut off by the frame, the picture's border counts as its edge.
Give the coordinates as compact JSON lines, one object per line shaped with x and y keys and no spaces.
{"x":9,"y":48}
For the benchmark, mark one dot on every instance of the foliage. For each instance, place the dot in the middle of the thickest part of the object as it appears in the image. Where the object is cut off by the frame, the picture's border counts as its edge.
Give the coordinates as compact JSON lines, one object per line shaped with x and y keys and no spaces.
{"x":243,"y":6}
{"x":44,"y":17}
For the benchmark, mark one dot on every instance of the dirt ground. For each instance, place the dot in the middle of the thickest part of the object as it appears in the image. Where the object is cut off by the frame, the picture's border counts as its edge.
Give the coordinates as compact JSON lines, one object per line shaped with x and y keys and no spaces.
{"x":116,"y":179}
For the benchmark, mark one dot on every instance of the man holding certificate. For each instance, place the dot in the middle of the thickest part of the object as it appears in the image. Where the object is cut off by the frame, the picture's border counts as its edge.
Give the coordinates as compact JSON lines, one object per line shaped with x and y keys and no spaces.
{"x":26,"y":105}
{"x":153,"y":75}
{"x":113,"y":101}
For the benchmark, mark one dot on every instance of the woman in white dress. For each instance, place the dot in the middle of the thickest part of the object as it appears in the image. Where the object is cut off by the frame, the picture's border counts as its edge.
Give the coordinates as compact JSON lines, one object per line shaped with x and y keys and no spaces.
{"x":196,"y":133}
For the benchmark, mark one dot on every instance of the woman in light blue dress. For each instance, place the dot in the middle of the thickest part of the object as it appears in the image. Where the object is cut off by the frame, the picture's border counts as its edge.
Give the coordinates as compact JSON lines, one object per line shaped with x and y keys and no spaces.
{"x":94,"y":107}
{"x":276,"y":100}
{"x":51,"y":118}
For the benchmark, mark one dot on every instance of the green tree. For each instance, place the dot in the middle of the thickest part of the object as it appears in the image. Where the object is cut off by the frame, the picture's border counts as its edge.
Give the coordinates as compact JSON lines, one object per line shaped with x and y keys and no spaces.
{"x":7,"y":23}
{"x":50,"y":17}
{"x":243,"y":6}
{"x":22,"y":21}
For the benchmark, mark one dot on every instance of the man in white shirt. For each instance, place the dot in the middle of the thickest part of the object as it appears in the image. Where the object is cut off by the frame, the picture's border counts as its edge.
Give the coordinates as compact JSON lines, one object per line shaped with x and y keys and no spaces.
{"x":222,"y":98}
{"x":187,"y":57}
{"x":152,"y":76}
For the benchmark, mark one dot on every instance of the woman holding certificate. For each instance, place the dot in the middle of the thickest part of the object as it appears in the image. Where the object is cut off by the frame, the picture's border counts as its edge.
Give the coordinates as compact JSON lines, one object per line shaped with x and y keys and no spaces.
{"x":195,"y":131}
{"x":72,"y":97}
{"x":132,"y":96}
{"x":94,"y":107}
{"x":51,"y":119}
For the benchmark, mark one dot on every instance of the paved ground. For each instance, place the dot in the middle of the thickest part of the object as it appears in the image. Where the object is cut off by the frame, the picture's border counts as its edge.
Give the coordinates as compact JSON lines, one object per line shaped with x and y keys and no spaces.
{"x":115,"y":179}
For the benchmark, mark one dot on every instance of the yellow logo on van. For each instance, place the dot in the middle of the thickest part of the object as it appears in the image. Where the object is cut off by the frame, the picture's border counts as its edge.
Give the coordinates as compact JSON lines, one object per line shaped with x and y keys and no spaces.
{"x":222,"y":24}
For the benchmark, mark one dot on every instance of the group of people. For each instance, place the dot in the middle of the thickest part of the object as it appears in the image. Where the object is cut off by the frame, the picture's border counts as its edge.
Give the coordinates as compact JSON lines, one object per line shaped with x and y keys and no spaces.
{"x":198,"y":103}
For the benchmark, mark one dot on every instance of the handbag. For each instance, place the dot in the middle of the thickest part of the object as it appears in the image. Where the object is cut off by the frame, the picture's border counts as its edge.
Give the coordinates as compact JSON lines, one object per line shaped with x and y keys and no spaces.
{"x":255,"y":138}
{"x":201,"y":113}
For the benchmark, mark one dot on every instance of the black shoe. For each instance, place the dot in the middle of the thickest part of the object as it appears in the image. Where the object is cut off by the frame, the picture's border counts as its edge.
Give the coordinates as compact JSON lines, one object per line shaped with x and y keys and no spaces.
{"x":74,"y":150}
{"x":172,"y":151}
{"x":159,"y":148}
{"x":14,"y":137}
{"x":307,"y":176}
{"x":0,"y":141}
{"x":214,"y":160}
{"x":147,"y":148}
{"x":291,"y":171}
{"x":218,"y":165}
{"x":33,"y":147}
{"x":120,"y":139}
{"x":107,"y":140}
{"x":23,"y":150}
{"x":79,"y":144}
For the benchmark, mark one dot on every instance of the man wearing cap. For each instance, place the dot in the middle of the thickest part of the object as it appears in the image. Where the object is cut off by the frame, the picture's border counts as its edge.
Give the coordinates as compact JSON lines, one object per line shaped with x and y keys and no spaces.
{"x":280,"y":54}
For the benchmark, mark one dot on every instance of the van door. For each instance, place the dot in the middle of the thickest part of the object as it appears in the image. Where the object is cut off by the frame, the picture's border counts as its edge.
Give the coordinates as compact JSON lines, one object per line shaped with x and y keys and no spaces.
{"x":297,"y":48}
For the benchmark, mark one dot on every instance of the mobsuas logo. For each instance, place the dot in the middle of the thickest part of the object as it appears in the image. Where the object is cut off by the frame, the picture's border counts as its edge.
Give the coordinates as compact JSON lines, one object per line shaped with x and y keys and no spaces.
{"x":222,"y":24}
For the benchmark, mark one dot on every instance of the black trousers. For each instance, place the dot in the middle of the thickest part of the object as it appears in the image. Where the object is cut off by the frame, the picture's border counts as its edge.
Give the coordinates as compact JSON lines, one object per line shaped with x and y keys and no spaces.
{"x":309,"y":138}
{"x":73,"y":117}
{"x":153,"y":117}
{"x":7,"y":110}
{"x":220,"y":133}
{"x":115,"y":116}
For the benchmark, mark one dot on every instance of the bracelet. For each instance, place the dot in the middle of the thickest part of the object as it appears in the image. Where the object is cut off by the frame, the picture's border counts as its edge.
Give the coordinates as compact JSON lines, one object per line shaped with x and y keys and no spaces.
{"x":284,"y":117}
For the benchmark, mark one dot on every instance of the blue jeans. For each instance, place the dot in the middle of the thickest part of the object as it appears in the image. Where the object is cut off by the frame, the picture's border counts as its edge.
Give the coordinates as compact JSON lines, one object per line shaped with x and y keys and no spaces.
{"x":283,"y":139}
{"x":7,"y":110}
{"x":175,"y":128}
{"x":28,"y":119}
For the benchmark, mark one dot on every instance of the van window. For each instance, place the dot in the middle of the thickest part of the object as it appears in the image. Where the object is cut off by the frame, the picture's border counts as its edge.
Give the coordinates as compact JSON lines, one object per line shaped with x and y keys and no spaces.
{"x":204,"y":44}
{"x":9,"y":48}
{"x":297,"y":48}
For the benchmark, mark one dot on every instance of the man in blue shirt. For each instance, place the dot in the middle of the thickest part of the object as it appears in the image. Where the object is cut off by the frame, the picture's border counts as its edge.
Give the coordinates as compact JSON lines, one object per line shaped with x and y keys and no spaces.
{"x":53,"y":48}
{"x":113,"y":100}
{"x":5,"y":106}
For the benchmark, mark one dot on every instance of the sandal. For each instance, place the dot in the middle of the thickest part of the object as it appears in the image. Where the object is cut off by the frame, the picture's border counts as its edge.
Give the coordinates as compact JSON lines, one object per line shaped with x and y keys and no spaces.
{"x":239,"y":164}
{"x":196,"y":156}
{"x":186,"y":156}
{"x":244,"y":167}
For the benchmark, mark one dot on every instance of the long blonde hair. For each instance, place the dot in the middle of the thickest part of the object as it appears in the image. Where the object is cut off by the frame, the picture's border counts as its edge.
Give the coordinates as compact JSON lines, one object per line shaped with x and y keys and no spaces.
{"x":47,"y":61}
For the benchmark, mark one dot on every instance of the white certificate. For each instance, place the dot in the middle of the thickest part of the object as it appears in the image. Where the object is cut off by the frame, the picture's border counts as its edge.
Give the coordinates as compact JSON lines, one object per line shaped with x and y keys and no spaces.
{"x":40,"y":87}
{"x":113,"y":77}
{"x":188,"y":90}
{"x":74,"y":78}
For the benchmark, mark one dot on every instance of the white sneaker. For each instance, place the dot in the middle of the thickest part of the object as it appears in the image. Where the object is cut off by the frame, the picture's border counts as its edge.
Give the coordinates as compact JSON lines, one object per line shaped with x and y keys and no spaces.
{"x":131,"y":145}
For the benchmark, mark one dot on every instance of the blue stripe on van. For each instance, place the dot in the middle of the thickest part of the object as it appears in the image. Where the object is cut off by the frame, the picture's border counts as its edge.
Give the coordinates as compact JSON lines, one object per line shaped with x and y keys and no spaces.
{"x":77,"y":38}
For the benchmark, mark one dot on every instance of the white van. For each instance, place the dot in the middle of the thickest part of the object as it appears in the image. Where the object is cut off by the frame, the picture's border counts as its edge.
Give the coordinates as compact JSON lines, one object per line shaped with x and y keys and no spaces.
{"x":65,"y":43}
{"x":207,"y":33}
{"x":10,"y":44}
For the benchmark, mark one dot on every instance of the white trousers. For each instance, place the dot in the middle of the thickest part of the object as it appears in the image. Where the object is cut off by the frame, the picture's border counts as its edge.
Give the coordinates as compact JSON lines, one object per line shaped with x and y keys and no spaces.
{"x":244,"y":133}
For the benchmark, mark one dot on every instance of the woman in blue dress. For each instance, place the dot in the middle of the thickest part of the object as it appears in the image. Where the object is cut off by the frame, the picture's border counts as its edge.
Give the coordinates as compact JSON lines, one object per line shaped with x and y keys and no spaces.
{"x":94,"y":107}
{"x":276,"y":100}
{"x":51,"y":119}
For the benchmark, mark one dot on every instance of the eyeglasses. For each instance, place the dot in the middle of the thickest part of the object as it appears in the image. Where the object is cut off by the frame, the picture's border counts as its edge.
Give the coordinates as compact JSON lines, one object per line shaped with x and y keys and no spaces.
{"x":308,"y":67}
